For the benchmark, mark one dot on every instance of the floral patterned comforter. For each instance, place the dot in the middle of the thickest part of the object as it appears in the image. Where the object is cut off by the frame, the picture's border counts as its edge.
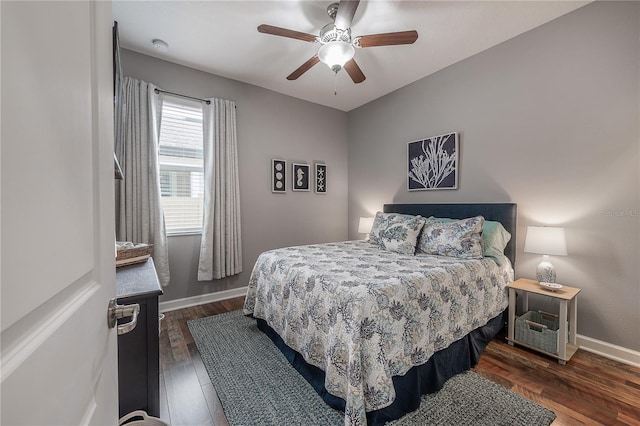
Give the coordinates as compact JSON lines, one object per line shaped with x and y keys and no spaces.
{"x":364,"y":315}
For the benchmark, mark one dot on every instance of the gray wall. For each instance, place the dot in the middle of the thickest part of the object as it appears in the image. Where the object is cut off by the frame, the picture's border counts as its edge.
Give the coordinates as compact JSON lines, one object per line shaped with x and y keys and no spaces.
{"x":548,"y":120}
{"x":269,"y":125}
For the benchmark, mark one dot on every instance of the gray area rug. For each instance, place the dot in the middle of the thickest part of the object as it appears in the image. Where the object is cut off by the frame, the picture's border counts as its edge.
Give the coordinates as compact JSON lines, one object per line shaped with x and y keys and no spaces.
{"x":258,"y":386}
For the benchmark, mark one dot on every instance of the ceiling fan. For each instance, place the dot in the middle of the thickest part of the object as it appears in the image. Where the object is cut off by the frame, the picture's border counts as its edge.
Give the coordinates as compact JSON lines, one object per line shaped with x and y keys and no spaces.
{"x":337,"y":45}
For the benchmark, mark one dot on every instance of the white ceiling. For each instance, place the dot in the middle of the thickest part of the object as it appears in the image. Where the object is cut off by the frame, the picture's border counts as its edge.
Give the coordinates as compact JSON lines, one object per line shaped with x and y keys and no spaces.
{"x":220,"y":37}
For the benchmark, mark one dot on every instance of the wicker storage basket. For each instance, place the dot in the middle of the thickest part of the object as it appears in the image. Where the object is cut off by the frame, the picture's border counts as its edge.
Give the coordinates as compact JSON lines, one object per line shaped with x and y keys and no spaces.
{"x":539,"y":329}
{"x":129,"y":254}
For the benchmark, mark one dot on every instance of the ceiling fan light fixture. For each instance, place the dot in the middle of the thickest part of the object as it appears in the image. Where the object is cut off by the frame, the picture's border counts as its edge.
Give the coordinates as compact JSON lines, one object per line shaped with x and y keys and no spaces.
{"x":335,"y":54}
{"x":337,"y":47}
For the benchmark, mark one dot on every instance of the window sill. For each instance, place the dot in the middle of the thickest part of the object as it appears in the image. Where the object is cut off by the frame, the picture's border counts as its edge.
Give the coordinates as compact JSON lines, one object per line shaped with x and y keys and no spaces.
{"x":183,"y":233}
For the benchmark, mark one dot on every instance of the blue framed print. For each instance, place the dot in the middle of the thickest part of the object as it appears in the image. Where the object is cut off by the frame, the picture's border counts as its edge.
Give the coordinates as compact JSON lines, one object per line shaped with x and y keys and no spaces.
{"x":321,"y":178}
{"x":432,"y":163}
{"x":300,"y":177}
{"x":278,"y":176}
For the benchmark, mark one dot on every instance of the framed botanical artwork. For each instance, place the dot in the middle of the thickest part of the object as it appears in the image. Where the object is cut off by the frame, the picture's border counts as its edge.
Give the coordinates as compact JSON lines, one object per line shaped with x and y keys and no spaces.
{"x":321,"y":178}
{"x":278,"y":176}
{"x":432,"y":163}
{"x":300,"y":177}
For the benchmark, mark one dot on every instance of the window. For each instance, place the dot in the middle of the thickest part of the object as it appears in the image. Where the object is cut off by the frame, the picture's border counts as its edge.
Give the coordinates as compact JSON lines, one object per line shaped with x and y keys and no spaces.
{"x":181,"y":165}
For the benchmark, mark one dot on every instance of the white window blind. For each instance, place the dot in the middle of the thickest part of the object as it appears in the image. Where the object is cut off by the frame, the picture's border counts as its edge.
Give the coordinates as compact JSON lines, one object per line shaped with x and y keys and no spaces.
{"x":181,"y":165}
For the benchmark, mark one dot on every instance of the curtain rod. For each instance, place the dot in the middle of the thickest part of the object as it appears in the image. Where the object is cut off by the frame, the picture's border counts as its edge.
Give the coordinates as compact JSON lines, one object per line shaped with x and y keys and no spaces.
{"x":183,"y":96}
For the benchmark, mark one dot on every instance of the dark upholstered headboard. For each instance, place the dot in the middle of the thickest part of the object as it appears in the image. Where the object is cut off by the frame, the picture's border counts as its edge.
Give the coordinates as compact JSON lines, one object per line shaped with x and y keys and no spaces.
{"x":505,"y":213}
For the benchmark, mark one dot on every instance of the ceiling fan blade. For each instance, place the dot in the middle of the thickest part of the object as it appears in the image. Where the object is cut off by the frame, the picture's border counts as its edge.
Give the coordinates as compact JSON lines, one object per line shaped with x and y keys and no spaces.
{"x":303,"y":68}
{"x":346,"y":10}
{"x":283,"y":32}
{"x":354,"y":71}
{"x":387,"y":39}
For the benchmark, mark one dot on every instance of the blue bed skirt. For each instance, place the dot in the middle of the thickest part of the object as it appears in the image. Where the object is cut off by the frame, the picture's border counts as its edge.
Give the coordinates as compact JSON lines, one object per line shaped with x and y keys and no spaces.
{"x":426,"y":378}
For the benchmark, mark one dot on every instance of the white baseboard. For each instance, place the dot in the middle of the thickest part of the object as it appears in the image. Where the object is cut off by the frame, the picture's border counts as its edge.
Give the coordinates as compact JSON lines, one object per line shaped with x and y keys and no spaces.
{"x":172,"y":305}
{"x":608,"y":350}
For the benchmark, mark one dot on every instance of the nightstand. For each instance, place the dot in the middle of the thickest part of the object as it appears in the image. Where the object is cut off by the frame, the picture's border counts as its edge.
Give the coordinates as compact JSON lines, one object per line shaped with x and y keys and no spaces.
{"x":567,"y":318}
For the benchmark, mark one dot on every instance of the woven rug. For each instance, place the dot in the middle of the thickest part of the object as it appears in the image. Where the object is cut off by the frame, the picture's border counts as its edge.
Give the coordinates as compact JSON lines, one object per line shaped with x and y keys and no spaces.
{"x":257,"y":386}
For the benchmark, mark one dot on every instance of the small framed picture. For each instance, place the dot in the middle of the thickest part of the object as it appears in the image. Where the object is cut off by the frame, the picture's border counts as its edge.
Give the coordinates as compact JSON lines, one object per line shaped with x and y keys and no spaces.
{"x":433,"y":163}
{"x":278,"y":176}
{"x":321,"y":178}
{"x":300,"y":177}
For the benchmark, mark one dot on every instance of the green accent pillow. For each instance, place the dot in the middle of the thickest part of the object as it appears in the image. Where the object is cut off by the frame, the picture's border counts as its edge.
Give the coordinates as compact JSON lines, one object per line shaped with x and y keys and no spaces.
{"x":494,"y":239}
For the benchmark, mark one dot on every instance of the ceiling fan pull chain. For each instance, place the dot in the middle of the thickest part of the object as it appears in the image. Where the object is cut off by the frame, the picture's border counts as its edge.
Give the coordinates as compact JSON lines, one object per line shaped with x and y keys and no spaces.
{"x":335,"y":84}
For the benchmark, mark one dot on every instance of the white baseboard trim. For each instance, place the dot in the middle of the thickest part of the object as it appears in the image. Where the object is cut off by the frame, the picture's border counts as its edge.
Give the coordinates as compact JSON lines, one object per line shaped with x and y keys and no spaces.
{"x":608,"y":350}
{"x":172,"y":305}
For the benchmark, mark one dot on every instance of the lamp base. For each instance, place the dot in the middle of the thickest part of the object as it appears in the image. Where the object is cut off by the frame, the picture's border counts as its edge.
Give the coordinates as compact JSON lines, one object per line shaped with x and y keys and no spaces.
{"x":545,"y":272}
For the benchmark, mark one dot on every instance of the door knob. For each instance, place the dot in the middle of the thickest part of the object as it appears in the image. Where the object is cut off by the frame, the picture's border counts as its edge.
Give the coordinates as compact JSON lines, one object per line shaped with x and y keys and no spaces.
{"x":115,"y":312}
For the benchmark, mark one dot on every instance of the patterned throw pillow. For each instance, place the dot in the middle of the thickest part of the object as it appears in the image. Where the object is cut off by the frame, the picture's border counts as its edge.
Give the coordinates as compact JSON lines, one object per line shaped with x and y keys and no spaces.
{"x":458,"y":238}
{"x":396,"y":232}
{"x":494,"y":238}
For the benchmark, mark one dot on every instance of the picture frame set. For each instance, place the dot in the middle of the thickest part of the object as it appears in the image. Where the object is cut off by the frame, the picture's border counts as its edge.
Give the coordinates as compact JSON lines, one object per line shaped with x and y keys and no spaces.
{"x":301,"y":177}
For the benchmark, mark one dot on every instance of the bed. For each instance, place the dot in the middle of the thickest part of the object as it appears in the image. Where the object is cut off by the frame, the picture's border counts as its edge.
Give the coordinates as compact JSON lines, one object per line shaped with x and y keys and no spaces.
{"x":374,"y":327}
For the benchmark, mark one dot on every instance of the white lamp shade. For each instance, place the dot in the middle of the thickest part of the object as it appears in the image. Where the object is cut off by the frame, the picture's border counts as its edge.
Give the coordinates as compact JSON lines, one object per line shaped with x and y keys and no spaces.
{"x":545,"y":240}
{"x":336,"y":53}
{"x":365,"y":224}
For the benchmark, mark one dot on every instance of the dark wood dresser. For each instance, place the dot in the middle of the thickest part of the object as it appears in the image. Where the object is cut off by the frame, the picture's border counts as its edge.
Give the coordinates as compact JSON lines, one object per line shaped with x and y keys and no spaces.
{"x":138,"y":350}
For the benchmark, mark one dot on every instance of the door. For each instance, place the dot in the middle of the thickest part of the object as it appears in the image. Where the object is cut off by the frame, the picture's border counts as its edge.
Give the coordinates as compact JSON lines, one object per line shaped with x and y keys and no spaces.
{"x":59,"y":358}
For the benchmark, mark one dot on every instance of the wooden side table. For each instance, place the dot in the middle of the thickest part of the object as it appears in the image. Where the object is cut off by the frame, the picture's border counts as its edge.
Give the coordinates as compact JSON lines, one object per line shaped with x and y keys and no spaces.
{"x":568,"y":297}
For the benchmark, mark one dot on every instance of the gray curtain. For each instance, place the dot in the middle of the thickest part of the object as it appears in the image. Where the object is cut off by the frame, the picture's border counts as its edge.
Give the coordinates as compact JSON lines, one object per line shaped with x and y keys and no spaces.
{"x":139,"y":215}
{"x":220,"y":247}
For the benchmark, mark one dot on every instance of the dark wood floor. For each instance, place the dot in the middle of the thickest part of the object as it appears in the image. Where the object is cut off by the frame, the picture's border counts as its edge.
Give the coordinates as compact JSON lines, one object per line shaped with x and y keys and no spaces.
{"x":589,"y":390}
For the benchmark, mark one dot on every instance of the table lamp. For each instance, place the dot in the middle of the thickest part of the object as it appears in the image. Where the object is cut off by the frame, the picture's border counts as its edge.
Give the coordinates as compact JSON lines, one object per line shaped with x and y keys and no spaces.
{"x":545,"y":240}
{"x":365,"y":224}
